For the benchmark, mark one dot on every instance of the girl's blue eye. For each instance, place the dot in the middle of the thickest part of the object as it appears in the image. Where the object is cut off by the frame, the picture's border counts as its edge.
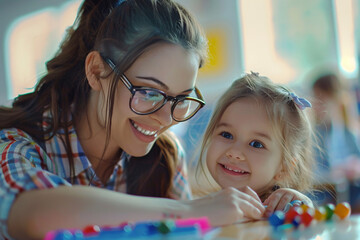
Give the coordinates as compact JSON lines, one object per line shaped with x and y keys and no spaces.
{"x":256,"y":144}
{"x":226,"y":135}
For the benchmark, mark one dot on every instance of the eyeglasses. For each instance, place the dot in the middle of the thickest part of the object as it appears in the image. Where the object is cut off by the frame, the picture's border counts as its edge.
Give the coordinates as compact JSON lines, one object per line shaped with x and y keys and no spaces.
{"x":146,"y":100}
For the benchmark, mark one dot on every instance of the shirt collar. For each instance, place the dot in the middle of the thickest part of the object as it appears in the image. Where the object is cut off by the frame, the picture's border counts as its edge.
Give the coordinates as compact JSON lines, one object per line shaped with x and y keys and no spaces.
{"x":55,"y":148}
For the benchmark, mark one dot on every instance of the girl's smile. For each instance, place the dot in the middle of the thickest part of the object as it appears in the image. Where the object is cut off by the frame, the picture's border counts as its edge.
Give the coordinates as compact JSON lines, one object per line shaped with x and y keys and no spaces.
{"x":233,"y":170}
{"x":243,"y":150}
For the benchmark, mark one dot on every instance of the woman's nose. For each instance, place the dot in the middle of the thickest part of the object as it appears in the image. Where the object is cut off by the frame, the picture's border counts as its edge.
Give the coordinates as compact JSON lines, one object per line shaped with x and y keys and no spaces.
{"x":235,"y":154}
{"x":163,"y":115}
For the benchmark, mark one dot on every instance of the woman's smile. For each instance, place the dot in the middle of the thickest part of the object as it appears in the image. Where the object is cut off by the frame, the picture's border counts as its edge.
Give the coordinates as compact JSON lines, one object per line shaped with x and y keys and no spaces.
{"x":143,"y":132}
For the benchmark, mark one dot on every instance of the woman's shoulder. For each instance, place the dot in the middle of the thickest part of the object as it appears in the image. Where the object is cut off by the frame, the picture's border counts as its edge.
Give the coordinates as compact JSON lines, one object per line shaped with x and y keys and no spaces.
{"x":18,"y":142}
{"x":14,"y":134}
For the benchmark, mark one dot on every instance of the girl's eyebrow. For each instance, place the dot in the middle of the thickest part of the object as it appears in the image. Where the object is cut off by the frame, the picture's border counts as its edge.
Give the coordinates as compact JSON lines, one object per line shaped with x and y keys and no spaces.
{"x":163,"y":85}
{"x":260,"y":134}
{"x":223,"y":124}
{"x":264,"y":135}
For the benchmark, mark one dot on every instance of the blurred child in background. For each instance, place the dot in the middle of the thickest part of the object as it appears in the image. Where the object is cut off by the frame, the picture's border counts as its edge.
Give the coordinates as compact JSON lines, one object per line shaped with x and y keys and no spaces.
{"x":339,"y":157}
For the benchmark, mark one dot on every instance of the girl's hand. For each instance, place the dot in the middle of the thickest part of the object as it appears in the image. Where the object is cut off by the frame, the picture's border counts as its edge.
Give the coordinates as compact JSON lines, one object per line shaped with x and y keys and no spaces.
{"x":228,"y":206}
{"x":279,"y":198}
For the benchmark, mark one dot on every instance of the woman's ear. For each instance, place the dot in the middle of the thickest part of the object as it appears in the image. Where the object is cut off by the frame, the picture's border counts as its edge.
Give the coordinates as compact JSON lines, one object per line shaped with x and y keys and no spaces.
{"x":94,"y":69}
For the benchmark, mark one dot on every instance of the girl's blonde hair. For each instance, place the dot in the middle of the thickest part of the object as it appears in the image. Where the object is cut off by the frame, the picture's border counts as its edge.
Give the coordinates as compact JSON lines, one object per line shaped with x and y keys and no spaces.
{"x":290,"y":126}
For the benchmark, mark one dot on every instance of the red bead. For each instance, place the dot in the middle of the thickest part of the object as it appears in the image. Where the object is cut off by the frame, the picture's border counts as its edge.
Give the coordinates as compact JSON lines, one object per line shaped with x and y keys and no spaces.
{"x":123,"y":224}
{"x":307,"y":217}
{"x":91,"y":230}
{"x":292,"y":213}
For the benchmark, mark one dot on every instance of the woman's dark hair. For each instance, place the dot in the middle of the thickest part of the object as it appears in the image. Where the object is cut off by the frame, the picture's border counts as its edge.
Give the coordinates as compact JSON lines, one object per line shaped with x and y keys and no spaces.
{"x":132,"y":26}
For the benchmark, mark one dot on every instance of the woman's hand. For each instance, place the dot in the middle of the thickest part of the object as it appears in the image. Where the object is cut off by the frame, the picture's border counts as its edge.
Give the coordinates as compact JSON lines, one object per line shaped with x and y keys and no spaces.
{"x":279,"y":198}
{"x":228,"y":206}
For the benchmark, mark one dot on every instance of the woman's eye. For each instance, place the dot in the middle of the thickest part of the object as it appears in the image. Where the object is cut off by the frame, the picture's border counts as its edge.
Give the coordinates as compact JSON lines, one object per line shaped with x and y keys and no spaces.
{"x":256,"y":144}
{"x":148,"y":95}
{"x":226,"y":135}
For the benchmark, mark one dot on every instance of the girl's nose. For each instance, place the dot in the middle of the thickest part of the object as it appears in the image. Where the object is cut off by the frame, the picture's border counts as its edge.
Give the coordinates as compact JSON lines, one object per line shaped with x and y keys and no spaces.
{"x":235,"y":154}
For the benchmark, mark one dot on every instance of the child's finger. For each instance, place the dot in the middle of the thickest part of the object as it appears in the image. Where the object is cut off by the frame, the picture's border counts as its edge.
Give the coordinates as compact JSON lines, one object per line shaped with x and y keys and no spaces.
{"x":251,"y":192}
{"x":285,"y":199}
{"x":253,"y":202}
{"x":250,"y":209}
{"x":272,"y":202}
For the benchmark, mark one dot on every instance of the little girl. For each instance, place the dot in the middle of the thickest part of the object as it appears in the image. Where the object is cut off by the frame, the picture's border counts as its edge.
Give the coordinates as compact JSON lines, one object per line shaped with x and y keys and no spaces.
{"x":259,"y":137}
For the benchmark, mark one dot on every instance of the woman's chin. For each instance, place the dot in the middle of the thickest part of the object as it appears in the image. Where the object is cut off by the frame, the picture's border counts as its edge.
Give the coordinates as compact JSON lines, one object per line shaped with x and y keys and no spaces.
{"x":139,"y":151}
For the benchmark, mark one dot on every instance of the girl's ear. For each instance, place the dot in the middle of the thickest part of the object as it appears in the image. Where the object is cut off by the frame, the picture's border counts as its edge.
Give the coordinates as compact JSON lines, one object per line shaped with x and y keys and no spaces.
{"x":280,"y":173}
{"x":94,"y":69}
{"x":278,"y":176}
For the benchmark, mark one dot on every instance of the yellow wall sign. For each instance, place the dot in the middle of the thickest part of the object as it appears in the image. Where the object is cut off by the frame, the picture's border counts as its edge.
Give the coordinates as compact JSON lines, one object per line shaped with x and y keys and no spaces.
{"x":218,"y":53}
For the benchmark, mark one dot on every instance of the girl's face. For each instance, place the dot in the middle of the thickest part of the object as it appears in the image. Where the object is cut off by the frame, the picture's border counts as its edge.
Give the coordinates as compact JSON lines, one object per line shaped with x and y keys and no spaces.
{"x":243,"y":150}
{"x":165,"y":67}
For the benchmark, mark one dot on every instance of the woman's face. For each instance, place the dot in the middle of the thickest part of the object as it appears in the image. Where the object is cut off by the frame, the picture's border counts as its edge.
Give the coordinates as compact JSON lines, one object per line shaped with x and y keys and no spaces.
{"x":166,"y":67}
{"x":243,"y":150}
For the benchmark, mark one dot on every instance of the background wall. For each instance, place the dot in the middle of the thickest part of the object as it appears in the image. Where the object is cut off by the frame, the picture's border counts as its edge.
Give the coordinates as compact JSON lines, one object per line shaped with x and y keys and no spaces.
{"x":280,"y":38}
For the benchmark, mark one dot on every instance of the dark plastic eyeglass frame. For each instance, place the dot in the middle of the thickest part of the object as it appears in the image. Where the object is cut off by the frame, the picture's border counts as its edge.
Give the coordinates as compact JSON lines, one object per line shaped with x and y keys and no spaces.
{"x":175,"y":100}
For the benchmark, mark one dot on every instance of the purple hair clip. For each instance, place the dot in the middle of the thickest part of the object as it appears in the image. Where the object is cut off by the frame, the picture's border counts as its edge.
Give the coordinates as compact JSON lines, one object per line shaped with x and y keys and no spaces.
{"x":302,"y":103}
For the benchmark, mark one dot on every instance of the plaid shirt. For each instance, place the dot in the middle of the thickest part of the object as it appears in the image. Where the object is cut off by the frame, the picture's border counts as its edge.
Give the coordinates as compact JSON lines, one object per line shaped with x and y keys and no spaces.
{"x":25,"y":165}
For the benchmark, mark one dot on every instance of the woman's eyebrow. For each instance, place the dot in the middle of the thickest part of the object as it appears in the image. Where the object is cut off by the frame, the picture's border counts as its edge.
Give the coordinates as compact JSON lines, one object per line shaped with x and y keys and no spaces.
{"x":158,"y":82}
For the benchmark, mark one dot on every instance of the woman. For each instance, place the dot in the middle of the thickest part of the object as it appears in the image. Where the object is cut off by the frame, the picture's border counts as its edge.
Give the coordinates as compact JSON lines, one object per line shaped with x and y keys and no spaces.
{"x":91,"y":136}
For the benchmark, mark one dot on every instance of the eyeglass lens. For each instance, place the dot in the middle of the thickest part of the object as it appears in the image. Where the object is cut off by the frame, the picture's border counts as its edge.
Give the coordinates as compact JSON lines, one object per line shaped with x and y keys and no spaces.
{"x":185,"y":109}
{"x":146,"y":101}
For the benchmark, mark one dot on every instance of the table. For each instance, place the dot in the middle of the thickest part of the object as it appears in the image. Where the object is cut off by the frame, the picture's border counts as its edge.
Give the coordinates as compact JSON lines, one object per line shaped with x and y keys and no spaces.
{"x":261,"y":230}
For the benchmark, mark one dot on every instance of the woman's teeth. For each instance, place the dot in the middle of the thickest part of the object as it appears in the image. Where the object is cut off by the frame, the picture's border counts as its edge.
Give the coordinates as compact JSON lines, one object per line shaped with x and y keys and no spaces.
{"x":143,"y":131}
